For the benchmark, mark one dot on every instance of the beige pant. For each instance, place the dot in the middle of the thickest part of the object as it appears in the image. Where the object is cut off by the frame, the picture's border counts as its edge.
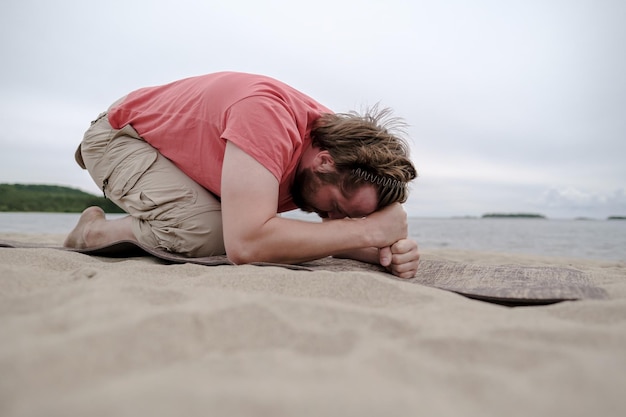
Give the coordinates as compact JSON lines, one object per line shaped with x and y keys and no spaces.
{"x":170,"y":211}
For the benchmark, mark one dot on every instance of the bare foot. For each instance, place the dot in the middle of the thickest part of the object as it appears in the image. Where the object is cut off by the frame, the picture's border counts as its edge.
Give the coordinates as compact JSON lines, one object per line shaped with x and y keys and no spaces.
{"x":77,"y":237}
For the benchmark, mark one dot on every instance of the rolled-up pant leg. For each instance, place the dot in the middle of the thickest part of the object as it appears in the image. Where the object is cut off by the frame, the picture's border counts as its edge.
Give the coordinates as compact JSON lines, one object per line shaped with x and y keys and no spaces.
{"x":170,"y":211}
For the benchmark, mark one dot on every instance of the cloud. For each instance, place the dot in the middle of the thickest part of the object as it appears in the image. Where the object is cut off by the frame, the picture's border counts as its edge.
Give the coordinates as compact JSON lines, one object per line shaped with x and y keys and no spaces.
{"x":577,"y":202}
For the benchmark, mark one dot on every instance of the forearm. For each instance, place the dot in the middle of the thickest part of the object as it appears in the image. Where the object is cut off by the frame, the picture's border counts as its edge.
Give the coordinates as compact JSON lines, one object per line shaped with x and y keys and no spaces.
{"x":293,"y":241}
{"x":370,"y":255}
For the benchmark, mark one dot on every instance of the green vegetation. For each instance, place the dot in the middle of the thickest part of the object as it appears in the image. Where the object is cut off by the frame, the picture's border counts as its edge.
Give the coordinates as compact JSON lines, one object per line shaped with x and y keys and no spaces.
{"x":616,"y":218}
{"x":50,"y":198}
{"x":514,"y":215}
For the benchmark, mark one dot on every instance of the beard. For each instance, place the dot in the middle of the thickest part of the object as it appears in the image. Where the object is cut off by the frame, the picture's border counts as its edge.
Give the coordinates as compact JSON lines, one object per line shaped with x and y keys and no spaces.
{"x":305,"y":185}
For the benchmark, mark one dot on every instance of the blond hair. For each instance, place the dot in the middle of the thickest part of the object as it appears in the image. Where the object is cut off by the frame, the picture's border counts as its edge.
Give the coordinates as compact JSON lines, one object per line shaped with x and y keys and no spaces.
{"x":368,"y":148}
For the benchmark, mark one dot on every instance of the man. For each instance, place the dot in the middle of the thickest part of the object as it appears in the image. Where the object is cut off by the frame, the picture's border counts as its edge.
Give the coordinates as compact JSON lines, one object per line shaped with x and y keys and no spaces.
{"x":205,"y":165}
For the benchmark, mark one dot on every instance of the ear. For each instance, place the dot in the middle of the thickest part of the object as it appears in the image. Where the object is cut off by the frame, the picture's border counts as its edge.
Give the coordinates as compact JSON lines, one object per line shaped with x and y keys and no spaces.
{"x":323,"y":162}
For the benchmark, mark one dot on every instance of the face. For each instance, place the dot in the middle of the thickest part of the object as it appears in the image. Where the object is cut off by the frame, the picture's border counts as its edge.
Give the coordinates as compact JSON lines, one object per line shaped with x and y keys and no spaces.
{"x":312,"y":194}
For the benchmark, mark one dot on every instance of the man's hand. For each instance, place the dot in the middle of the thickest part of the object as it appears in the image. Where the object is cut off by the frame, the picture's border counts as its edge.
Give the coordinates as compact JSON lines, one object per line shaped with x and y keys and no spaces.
{"x":388,"y":225}
{"x":401,"y":258}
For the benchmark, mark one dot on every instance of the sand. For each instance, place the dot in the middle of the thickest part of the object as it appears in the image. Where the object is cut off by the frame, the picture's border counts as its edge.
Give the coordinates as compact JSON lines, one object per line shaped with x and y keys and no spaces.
{"x":92,"y":336}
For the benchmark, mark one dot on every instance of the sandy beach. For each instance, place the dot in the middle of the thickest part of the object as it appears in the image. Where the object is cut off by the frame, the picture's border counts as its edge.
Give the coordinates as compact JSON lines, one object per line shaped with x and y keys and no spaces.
{"x":92,"y":336}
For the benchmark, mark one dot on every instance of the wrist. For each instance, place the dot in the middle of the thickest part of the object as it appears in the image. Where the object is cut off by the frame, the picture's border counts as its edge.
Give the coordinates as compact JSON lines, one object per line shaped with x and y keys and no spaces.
{"x":369,"y":233}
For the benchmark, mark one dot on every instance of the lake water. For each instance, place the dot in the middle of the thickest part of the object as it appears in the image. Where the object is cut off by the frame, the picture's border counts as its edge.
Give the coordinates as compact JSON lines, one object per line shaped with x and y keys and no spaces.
{"x":588,"y":239}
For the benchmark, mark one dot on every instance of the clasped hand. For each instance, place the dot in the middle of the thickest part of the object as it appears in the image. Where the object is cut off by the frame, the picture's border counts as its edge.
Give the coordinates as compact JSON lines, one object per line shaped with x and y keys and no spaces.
{"x":401,"y":258}
{"x":397,"y":253}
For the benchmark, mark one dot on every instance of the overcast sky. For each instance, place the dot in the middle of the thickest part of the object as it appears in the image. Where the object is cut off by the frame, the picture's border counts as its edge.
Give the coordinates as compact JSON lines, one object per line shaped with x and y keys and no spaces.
{"x":512,"y":105}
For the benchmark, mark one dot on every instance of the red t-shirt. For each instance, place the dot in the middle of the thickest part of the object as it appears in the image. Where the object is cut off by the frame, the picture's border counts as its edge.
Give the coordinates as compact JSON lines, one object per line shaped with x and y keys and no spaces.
{"x":189,"y":122}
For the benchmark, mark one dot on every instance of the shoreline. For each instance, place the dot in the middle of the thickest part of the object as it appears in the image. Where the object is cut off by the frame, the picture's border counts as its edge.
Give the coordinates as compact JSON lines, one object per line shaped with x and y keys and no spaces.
{"x":58,"y":238}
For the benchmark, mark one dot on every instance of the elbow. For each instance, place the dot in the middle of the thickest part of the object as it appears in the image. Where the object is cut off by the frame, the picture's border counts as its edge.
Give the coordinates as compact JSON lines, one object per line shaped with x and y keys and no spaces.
{"x":238,"y":258}
{"x":240,"y":253}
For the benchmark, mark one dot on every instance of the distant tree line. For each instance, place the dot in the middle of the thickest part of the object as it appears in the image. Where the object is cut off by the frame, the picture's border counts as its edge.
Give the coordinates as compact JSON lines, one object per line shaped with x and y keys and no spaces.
{"x":536,"y":216}
{"x":50,"y":198}
{"x":514,"y":215}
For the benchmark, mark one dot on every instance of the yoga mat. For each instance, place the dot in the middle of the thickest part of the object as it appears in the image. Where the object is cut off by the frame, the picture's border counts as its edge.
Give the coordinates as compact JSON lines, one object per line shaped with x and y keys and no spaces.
{"x":511,"y":285}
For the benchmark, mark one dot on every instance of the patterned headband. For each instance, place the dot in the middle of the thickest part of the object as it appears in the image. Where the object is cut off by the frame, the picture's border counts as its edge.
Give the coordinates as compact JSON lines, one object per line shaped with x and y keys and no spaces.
{"x":378,"y":179}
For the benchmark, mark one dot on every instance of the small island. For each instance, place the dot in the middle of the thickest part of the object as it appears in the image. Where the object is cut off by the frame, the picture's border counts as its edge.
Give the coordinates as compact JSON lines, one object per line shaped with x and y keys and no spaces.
{"x":513,"y":216}
{"x":616,"y":218}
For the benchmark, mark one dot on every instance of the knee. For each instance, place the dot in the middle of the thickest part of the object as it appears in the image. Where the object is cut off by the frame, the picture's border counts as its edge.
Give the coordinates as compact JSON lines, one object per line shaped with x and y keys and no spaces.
{"x":198,"y":236}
